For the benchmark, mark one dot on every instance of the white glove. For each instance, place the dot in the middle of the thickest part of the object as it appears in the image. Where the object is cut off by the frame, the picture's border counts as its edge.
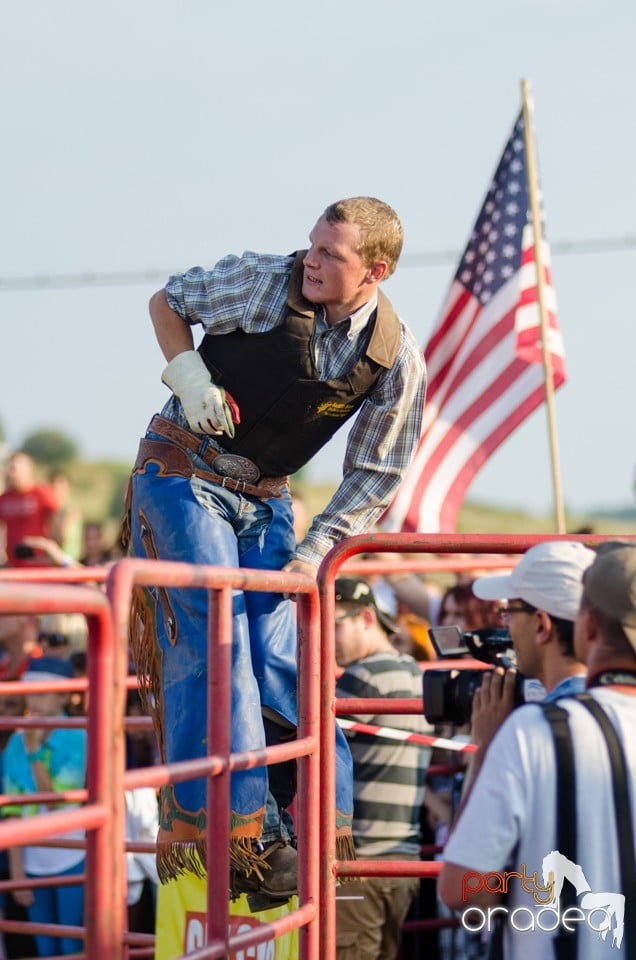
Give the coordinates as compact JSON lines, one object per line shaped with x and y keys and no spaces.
{"x":204,"y":403}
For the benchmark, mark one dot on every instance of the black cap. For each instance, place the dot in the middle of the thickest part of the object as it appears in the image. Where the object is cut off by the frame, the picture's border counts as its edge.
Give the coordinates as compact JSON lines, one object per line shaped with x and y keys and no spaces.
{"x":353,"y":590}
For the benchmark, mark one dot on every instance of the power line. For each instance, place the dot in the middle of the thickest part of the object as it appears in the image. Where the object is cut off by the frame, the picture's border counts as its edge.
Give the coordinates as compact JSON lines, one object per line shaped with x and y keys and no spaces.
{"x":560,"y":247}
{"x":126,"y":278}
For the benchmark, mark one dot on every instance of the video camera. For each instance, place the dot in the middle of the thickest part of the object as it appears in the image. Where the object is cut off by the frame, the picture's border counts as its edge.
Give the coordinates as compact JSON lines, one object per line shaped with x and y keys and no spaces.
{"x":448,"y":694}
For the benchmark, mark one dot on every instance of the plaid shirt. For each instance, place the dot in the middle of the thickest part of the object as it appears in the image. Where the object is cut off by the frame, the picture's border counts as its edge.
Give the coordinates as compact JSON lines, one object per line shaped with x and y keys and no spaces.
{"x":250,"y":293}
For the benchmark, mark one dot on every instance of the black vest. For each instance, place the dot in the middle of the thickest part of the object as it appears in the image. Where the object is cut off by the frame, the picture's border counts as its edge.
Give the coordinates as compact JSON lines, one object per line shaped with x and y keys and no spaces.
{"x":287,"y":413}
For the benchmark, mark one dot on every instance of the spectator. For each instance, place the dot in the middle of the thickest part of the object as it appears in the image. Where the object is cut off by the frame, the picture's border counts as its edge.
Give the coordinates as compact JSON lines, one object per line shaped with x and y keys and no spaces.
{"x":95,"y":551}
{"x":49,"y":551}
{"x":18,"y":644}
{"x":509,"y":817}
{"x":12,"y":945}
{"x":42,"y":760}
{"x":542,"y":597}
{"x":459,"y":607}
{"x":462,"y":608}
{"x":61,"y":634}
{"x":388,"y":776}
{"x":26,"y":509}
{"x":65,"y":636}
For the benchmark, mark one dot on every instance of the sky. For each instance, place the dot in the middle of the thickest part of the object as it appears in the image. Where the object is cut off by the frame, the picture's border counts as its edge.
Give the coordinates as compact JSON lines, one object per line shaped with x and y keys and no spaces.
{"x":142,"y":138}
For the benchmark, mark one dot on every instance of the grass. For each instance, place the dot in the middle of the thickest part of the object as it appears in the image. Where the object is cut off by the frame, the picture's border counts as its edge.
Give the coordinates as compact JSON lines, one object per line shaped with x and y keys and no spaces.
{"x":486,"y":518}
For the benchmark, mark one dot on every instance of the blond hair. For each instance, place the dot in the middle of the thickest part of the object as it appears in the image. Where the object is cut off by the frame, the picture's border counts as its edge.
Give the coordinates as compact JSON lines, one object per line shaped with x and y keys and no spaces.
{"x":380,"y":226}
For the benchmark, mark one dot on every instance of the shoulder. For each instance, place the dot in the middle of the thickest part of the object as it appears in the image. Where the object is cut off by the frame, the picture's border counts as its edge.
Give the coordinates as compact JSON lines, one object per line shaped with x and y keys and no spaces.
{"x":250,"y":263}
{"x":47,"y":497}
{"x":268,"y":262}
{"x":408,"y":372}
{"x":390,"y":674}
{"x":65,"y":739}
{"x":411,"y":353}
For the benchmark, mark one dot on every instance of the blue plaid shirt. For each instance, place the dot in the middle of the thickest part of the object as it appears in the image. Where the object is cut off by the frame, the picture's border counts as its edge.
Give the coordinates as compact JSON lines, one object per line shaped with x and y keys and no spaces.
{"x":250,"y":293}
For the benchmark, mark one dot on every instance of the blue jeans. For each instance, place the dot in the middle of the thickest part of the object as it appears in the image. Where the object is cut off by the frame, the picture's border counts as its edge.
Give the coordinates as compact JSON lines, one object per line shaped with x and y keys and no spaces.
{"x":196,"y":521}
{"x":64,"y":905}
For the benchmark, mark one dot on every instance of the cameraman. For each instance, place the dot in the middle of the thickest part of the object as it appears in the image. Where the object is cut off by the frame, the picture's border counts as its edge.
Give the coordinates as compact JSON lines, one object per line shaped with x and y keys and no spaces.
{"x":542,"y":596}
{"x":509,"y":819}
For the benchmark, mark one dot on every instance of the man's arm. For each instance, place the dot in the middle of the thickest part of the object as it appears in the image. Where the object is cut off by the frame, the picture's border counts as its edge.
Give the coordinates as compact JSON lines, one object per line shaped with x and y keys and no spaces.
{"x":204,"y":403}
{"x":493,"y":815}
{"x":174,"y":335}
{"x":25,"y":896}
{"x":457,"y":885}
{"x":381,"y":442}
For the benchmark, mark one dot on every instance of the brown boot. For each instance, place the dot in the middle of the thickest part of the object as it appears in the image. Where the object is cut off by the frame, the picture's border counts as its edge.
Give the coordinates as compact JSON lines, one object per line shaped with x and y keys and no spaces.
{"x":281,"y":880}
{"x":275,"y":875}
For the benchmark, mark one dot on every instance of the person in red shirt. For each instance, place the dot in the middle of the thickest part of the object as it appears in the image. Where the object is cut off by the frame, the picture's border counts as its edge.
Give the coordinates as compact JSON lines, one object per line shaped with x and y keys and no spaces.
{"x":19,"y":644}
{"x":27,"y":509}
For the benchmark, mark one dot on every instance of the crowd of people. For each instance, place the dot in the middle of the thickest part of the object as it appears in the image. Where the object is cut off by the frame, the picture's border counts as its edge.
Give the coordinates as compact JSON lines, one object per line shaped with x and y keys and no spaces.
{"x":569,"y":611}
{"x":40,"y":526}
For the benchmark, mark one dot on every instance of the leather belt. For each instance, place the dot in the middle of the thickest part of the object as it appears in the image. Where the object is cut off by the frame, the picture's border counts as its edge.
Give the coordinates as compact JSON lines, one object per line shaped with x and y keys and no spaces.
{"x":171,"y":455}
{"x":226,"y":464}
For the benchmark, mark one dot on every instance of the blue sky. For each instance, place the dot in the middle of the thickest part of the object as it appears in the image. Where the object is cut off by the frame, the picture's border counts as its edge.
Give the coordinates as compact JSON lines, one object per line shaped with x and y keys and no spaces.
{"x":158,"y":135}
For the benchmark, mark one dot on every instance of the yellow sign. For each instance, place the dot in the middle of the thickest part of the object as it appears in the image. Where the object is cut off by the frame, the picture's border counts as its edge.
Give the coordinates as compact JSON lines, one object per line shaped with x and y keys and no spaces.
{"x":181,"y":923}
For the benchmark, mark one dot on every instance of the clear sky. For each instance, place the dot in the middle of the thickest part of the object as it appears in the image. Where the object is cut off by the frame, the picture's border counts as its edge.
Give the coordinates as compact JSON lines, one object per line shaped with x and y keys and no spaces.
{"x":155,"y":135}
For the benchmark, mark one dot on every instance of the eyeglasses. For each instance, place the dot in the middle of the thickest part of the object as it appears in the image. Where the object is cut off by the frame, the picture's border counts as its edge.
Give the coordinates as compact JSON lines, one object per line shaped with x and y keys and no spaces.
{"x":53,"y":639}
{"x":521,"y":607}
{"x":345,"y":616}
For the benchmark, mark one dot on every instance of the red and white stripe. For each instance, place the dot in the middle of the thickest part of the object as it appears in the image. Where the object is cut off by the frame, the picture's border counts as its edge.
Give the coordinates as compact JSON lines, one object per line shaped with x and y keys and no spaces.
{"x":391,"y":733}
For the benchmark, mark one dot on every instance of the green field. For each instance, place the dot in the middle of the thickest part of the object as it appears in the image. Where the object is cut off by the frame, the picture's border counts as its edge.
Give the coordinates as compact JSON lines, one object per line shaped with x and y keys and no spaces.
{"x":98,"y":490}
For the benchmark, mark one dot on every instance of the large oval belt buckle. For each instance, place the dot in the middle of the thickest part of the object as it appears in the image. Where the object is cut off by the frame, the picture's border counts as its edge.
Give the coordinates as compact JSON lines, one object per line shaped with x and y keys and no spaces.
{"x":236,"y":468}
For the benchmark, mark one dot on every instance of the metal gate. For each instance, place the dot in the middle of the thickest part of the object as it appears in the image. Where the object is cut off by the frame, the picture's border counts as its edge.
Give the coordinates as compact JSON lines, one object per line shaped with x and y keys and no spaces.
{"x":53,"y":590}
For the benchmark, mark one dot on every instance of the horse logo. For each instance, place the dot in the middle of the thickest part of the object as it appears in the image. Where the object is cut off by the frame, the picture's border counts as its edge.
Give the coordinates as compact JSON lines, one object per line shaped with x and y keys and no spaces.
{"x":556,"y":869}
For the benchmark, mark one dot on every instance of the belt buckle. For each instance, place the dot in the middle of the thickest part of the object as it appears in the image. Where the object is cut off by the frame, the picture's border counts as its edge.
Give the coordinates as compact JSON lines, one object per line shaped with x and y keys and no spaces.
{"x":233,"y":467}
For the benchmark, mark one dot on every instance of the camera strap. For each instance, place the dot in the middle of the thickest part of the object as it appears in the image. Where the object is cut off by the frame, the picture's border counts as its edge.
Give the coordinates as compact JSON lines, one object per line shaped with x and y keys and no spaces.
{"x":613,"y":678}
{"x":564,"y":943}
{"x":622,"y":812}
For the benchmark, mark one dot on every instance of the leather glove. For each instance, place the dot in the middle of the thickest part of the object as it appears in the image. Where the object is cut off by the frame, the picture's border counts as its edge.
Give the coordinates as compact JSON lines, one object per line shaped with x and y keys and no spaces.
{"x":205,"y":405}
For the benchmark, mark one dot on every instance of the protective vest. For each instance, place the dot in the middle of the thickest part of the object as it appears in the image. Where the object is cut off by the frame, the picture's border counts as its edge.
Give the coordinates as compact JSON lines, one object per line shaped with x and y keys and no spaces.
{"x":287,"y":413}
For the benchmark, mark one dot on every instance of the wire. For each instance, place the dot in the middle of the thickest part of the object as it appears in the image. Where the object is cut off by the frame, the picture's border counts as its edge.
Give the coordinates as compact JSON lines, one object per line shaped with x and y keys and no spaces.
{"x":124,"y":278}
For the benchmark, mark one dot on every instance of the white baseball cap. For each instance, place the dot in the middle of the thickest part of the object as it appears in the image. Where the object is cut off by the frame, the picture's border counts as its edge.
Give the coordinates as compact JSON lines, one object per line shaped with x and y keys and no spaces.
{"x":548,"y":577}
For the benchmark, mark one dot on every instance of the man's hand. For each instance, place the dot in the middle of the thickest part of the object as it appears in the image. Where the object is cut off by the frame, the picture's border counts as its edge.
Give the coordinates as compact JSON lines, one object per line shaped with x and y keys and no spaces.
{"x":492,"y":703}
{"x":53,"y":551}
{"x":299,"y":566}
{"x":205,"y":405}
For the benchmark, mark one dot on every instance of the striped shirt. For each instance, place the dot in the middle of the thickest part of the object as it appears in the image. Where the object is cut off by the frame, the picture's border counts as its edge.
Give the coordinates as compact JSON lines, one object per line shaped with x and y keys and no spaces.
{"x":388,"y":776}
{"x":250,"y":293}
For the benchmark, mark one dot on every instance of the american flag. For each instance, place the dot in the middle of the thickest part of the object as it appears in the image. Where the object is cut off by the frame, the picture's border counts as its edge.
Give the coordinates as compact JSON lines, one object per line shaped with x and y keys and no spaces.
{"x":484,"y":359}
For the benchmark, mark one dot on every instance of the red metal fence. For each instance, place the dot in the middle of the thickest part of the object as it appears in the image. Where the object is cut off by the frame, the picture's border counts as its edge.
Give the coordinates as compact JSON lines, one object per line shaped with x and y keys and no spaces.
{"x":102,"y":814}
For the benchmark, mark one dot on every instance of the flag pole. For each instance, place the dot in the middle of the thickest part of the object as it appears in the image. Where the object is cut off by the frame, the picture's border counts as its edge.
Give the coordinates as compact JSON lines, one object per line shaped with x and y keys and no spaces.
{"x":535,"y":212}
